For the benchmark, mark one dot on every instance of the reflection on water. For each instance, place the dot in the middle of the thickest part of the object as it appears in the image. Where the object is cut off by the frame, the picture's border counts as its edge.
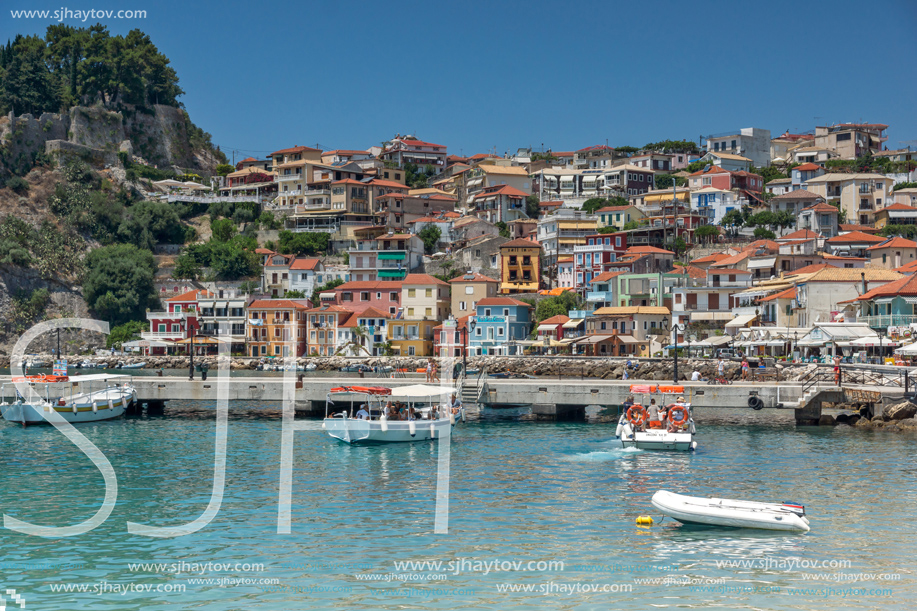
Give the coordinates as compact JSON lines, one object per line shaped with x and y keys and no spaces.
{"x":519,"y":491}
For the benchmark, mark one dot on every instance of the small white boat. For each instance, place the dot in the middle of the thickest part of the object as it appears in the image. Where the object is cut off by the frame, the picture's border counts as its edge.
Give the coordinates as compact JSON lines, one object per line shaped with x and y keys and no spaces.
{"x":88,"y":398}
{"x":681,"y":438}
{"x":738,"y":514}
{"x":419,"y":404}
{"x":139,"y":365}
{"x":87,"y":365}
{"x":310,"y":367}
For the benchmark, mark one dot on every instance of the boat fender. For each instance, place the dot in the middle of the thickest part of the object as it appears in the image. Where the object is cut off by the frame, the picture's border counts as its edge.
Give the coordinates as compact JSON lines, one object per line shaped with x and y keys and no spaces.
{"x":383,"y":422}
{"x":111,"y":404}
{"x":412,"y":428}
{"x":432,"y":430}
{"x":645,"y":520}
{"x":463,"y":414}
{"x":755,"y":402}
{"x":451,"y":417}
{"x":618,"y":430}
{"x":323,"y":424}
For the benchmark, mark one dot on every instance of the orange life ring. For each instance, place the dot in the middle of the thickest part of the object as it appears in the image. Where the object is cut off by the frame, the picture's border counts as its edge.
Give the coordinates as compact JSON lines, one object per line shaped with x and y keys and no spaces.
{"x":681,"y":411}
{"x":636,"y":414}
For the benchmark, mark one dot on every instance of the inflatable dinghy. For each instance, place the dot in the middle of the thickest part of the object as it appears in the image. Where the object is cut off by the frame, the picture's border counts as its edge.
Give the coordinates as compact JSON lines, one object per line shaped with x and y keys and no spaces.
{"x":726,"y":512}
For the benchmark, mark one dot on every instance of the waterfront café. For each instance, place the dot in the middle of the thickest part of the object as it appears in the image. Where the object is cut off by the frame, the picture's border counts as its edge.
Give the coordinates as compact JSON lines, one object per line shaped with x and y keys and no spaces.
{"x":838,"y":339}
{"x":770,"y":341}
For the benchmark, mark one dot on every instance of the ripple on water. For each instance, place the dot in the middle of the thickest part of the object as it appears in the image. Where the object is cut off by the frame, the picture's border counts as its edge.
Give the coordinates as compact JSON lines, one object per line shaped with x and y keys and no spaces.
{"x":518,"y":492}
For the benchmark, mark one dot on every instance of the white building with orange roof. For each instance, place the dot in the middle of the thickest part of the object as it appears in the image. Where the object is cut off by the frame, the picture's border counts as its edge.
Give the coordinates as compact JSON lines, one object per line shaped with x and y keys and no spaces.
{"x":303,"y":272}
{"x":501,"y":203}
{"x":389,"y":256}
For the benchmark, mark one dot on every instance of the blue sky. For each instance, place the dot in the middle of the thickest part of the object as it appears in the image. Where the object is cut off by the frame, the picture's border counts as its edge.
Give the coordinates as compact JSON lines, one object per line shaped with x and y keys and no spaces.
{"x":479,"y":76}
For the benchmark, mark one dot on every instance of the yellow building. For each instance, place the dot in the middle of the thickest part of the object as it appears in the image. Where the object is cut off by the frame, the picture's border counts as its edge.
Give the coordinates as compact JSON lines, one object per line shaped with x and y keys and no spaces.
{"x":520,"y":267}
{"x":619,"y":216}
{"x":858,"y":195}
{"x":412,"y":337}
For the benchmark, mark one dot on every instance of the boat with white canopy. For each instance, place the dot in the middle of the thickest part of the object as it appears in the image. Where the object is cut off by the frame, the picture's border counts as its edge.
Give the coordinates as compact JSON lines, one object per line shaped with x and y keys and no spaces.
{"x":87,"y":398}
{"x":377,"y":414}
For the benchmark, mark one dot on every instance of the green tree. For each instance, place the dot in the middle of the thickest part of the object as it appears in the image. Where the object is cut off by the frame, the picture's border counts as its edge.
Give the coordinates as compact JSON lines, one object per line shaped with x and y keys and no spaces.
{"x":328,"y":286}
{"x":764,"y":234}
{"x":532,"y":209}
{"x":294,"y":294}
{"x":697,"y":166}
{"x":626,"y":150}
{"x":249,"y":286}
{"x":232,"y":261}
{"x":769,"y":173}
{"x":900,"y":185}
{"x":707,"y":233}
{"x":664,"y":181}
{"x":674,"y":146}
{"x":430,"y":236}
{"x":146,"y":224}
{"x":504,"y":230}
{"x":555,"y":305}
{"x":125,"y":332}
{"x":733,"y":218}
{"x":222,"y":230}
{"x":905,"y":231}
{"x":593,"y":203}
{"x":224,"y":169}
{"x":118,"y":285}
{"x":187,"y":267}
{"x":302,"y":243}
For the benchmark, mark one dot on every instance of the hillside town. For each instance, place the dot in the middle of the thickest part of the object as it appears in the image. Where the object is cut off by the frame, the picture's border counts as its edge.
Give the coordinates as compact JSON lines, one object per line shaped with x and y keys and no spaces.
{"x":796,"y":246}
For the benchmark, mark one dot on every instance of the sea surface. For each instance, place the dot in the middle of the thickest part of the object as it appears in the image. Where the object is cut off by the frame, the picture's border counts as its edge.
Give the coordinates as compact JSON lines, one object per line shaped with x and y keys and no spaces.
{"x":541,"y":516}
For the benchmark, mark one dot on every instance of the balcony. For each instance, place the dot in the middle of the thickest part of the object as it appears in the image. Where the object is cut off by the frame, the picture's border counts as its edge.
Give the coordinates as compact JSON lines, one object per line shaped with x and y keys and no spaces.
{"x":594,"y":248}
{"x":600,"y":296}
{"x":160,"y":335}
{"x":168,"y":315}
{"x":881,"y":321}
{"x":289,"y":177}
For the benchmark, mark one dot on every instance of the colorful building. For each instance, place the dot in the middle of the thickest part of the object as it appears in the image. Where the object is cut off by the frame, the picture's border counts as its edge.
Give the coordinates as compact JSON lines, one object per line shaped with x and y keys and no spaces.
{"x":276,"y":327}
{"x":500,"y":322}
{"x":520,"y":267}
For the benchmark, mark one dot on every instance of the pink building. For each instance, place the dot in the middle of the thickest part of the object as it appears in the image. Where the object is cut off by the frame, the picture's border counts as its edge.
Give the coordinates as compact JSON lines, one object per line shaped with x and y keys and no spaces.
{"x":359,"y":295}
{"x":599,"y":254}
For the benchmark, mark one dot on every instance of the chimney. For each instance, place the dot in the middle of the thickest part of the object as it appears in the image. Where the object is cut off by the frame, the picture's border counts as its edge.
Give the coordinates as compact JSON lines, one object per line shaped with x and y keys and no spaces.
{"x":865,"y":284}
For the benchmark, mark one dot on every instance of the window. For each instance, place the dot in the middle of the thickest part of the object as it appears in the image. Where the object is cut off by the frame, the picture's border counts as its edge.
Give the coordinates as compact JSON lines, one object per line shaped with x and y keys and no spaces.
{"x":428,"y":312}
{"x":162,"y":328}
{"x":364,"y":296}
{"x":500,"y":331}
{"x":506,"y":311}
{"x":486,"y":311}
{"x":411,"y":312}
{"x":478,"y":331}
{"x":411,"y":350}
{"x":462,"y":306}
{"x":428,"y":293}
{"x":277,"y":350}
{"x":412,"y":292}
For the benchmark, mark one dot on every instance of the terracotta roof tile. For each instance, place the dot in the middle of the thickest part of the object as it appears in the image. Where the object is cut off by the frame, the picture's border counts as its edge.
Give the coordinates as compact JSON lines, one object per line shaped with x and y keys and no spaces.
{"x":896,"y":242}
{"x":855,"y":237}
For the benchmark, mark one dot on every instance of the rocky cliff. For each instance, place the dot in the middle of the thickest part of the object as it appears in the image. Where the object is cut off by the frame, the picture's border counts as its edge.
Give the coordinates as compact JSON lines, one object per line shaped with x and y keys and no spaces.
{"x":161,"y":136}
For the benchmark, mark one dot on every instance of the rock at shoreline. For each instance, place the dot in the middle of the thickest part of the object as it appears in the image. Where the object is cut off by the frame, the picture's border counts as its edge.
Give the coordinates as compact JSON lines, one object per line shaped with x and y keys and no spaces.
{"x":826,"y":420}
{"x":901,"y":411}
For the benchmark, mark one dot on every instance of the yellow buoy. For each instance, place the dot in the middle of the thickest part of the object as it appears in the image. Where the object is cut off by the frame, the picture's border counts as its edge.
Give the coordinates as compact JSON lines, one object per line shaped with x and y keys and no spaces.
{"x":645,"y":520}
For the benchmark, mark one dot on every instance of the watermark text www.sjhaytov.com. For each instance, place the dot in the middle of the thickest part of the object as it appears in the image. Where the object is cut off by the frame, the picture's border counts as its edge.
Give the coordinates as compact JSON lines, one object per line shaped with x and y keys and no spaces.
{"x":65,"y":14}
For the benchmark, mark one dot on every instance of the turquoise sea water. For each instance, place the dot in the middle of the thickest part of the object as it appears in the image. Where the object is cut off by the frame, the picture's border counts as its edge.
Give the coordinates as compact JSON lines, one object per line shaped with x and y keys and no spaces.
{"x":563,"y":497}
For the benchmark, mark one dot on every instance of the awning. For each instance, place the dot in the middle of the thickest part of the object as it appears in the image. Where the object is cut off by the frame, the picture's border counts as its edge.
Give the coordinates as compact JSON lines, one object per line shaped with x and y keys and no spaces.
{"x":717,"y":340}
{"x":572,"y":324}
{"x":547,"y":328}
{"x":711,"y":316}
{"x":741,"y":321}
{"x":589,"y":178}
{"x":147,"y":343}
{"x":475,"y":181}
{"x":762,"y":263}
{"x":627,"y":339}
{"x":594,"y":339}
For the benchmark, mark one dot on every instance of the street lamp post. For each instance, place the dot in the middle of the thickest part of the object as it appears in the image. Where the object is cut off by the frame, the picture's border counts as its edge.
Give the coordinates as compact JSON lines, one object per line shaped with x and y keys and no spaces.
{"x":191,"y":352}
{"x":675,"y":328}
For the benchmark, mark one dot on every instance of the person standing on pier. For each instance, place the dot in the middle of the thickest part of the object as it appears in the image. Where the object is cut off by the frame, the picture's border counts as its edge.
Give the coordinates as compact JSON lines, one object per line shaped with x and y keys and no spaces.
{"x":744,"y":369}
{"x":721,"y":368}
{"x":429,"y":370}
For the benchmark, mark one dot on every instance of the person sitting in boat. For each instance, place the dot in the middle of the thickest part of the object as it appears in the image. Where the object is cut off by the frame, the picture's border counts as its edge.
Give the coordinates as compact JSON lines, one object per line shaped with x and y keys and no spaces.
{"x":455,"y":404}
{"x":363,"y":413}
{"x":653,"y":420}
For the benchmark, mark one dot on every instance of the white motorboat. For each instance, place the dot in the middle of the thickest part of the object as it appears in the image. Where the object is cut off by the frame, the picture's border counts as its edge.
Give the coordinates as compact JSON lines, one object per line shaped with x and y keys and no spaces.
{"x":390,"y":415}
{"x":738,"y":514}
{"x":310,"y":367}
{"x":679,"y":437}
{"x":88,"y":398}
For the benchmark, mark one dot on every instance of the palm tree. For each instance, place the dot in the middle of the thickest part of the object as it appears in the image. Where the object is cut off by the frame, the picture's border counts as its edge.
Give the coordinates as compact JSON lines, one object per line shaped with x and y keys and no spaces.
{"x":360,"y":333}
